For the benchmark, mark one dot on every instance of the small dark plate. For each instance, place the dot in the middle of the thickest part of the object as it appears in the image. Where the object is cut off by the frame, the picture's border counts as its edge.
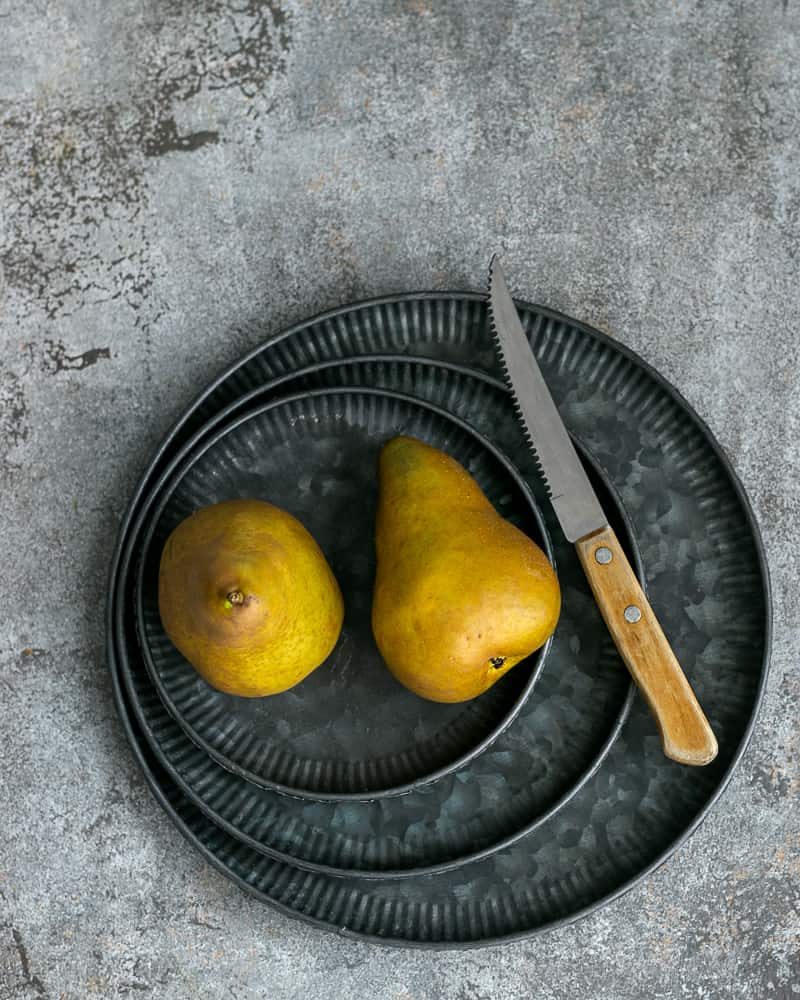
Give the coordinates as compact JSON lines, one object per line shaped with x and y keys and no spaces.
{"x":349,"y":729}
{"x":564,"y":732}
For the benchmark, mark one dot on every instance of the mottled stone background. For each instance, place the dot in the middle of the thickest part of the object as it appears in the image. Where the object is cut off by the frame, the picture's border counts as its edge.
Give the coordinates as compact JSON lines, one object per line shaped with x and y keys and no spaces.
{"x":178,"y":180}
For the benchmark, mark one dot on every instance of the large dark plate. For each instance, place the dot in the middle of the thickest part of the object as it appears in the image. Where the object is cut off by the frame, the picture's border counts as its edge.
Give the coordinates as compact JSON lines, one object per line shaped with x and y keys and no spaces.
{"x":707,"y":580}
{"x":562,"y":735}
{"x":349,"y":729}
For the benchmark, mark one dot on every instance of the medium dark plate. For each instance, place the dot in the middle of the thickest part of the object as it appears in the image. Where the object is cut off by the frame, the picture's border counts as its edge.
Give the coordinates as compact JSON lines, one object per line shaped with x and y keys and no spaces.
{"x":578,"y":707}
{"x":707,"y":580}
{"x":349,"y":729}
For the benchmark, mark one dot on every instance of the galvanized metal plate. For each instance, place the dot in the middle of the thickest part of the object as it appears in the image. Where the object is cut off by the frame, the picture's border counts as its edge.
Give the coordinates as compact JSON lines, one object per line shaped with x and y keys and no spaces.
{"x":349,"y":729}
{"x":579,"y":705}
{"x":707,"y":581}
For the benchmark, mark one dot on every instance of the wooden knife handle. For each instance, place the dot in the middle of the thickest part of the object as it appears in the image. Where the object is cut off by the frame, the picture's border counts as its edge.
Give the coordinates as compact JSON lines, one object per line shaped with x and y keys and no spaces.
{"x":685,"y":733}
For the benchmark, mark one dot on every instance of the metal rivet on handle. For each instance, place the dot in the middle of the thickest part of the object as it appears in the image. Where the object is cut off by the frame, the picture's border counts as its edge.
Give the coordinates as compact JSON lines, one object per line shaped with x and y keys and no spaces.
{"x":632,"y":614}
{"x":603,"y":555}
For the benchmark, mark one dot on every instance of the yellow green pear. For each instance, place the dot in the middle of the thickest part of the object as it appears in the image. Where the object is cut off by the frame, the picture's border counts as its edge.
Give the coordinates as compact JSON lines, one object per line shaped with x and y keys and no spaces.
{"x":247,"y":597}
{"x":461,"y":594}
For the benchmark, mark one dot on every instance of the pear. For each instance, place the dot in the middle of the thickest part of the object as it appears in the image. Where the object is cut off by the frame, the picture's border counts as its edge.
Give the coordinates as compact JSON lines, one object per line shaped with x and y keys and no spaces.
{"x":461,"y":594}
{"x":246,"y":595}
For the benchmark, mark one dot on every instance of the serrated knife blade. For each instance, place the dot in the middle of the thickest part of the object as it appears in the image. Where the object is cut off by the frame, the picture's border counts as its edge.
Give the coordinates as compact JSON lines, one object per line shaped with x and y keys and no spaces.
{"x":575,"y":502}
{"x":686,"y":735}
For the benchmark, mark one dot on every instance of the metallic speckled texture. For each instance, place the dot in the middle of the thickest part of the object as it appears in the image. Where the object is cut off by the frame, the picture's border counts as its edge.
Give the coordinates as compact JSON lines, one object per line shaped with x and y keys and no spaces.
{"x":581,"y":700}
{"x":680,"y":497}
{"x":180,"y":181}
{"x":350,"y":728}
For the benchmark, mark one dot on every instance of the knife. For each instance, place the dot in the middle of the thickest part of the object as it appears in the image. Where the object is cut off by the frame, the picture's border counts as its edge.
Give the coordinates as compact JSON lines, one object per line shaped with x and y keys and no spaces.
{"x":686,"y":735}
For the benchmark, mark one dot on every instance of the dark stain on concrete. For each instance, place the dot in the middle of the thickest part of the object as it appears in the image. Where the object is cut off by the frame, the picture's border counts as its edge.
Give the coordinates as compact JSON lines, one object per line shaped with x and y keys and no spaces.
{"x":73,"y":171}
{"x":13,"y":417}
{"x":229,"y":47}
{"x":56,"y":359}
{"x":30,"y":978}
{"x":165,"y":139}
{"x":69,"y":178}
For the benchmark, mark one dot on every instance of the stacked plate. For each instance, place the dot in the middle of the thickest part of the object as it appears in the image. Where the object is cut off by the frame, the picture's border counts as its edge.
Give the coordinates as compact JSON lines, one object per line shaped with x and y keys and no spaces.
{"x":348,"y":801}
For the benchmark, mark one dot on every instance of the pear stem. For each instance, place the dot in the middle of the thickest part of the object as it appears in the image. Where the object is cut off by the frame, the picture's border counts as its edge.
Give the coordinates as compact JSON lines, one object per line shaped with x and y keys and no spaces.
{"x":236,"y":597}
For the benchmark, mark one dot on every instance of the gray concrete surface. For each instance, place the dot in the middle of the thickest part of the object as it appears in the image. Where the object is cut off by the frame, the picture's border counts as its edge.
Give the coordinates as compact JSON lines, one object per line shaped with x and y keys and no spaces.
{"x":178,"y":180}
